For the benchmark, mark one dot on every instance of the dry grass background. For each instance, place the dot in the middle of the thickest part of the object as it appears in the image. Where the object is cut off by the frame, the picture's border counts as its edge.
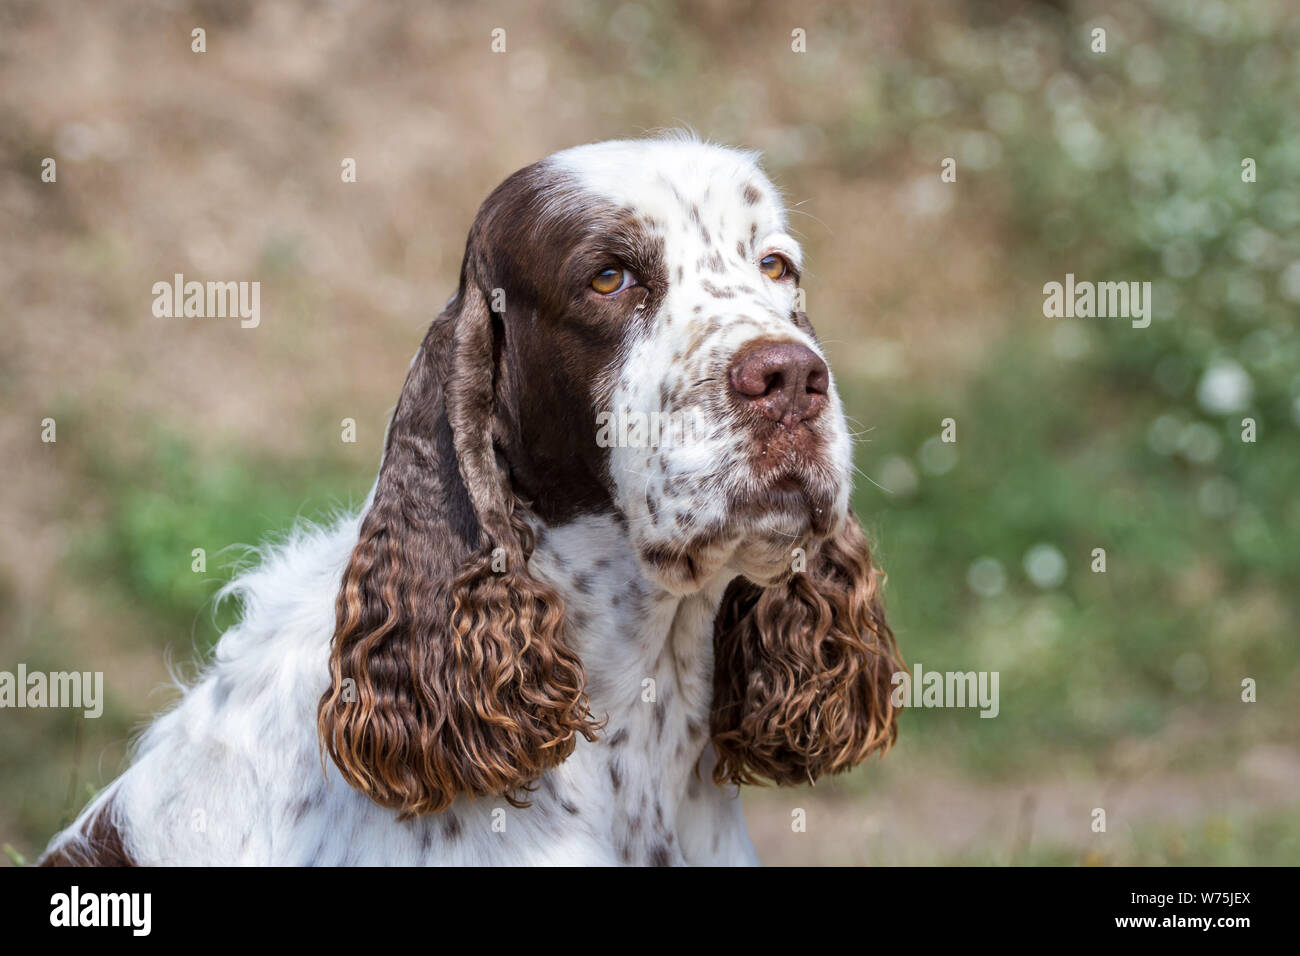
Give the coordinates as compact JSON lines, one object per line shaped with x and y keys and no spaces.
{"x":226,"y":165}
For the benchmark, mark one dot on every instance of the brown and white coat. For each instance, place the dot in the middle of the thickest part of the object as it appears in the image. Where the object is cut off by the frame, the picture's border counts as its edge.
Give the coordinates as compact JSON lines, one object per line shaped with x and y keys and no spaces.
{"x":546,"y":639}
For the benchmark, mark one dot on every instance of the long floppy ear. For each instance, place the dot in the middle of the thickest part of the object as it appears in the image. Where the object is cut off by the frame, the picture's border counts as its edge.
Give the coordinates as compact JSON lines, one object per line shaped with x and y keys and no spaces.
{"x":449,"y":669}
{"x":802,"y":670}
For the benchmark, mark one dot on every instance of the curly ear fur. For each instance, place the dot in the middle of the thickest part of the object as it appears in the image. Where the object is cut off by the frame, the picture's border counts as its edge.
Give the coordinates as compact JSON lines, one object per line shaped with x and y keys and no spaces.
{"x":802,"y":670}
{"x":449,"y":669}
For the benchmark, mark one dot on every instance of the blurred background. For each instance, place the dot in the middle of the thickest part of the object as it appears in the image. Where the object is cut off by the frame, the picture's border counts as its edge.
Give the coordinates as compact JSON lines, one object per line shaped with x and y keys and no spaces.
{"x":1120,"y":690}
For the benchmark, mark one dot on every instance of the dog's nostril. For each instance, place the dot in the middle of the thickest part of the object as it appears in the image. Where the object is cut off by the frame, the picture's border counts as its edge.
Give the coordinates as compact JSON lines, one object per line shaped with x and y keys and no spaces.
{"x":755,"y":379}
{"x":785,"y":381}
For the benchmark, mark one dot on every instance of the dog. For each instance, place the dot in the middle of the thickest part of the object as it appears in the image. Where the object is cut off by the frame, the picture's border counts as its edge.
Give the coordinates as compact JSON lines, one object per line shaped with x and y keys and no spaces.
{"x":554,"y":633}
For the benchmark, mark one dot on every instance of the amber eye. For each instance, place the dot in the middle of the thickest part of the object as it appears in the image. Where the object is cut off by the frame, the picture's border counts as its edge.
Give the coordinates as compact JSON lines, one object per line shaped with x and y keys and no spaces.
{"x":774,"y":267}
{"x":609,"y":281}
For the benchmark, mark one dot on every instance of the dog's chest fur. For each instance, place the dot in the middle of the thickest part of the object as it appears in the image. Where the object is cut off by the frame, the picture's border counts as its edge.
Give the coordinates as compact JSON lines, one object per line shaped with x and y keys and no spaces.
{"x":649,"y":659}
{"x":233,"y":775}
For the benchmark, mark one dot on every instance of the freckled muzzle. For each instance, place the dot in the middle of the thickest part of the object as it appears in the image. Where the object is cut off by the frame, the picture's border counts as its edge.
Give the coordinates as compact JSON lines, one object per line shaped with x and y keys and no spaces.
{"x":780,"y":391}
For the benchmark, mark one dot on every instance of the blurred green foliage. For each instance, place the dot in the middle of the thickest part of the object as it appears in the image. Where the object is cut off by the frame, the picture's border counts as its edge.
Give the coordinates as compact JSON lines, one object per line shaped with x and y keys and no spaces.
{"x":1088,"y":433}
{"x":169,"y":499}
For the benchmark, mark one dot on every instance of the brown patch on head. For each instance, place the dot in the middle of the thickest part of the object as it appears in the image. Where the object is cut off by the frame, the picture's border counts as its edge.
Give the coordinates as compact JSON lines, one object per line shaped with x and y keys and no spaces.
{"x":752,"y":194}
{"x":450,"y":663}
{"x":554,"y":337}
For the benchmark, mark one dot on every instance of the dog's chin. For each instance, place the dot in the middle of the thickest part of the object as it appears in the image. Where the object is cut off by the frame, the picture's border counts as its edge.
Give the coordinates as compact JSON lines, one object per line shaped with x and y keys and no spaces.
{"x":776,"y":534}
{"x":782,"y":524}
{"x":776,"y":550}
{"x":791,"y":507}
{"x":766,"y":538}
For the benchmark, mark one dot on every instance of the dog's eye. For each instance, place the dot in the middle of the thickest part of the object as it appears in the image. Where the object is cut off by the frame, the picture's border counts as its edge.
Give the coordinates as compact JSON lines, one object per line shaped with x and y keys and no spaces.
{"x":612,"y":281}
{"x":774,"y":266}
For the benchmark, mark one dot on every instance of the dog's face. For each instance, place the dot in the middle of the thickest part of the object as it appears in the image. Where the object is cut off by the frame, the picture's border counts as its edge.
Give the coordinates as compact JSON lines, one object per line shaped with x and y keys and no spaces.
{"x":648,"y":299}
{"x":626,"y":339}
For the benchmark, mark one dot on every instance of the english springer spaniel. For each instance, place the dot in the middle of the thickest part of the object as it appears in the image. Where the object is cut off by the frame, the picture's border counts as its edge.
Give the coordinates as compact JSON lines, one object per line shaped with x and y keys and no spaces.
{"x":558,"y":632}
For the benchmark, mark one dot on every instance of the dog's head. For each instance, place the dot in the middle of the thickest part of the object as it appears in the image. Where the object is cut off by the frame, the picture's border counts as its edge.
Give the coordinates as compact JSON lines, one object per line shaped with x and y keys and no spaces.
{"x":627,"y":338}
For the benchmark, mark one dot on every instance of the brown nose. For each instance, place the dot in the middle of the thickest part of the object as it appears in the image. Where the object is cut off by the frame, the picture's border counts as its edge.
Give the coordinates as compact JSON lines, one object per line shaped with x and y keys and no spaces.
{"x":785,"y":381}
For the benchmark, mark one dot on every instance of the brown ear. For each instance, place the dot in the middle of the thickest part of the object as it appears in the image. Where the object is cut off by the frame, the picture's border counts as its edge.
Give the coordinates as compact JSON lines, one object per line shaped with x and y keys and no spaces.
{"x":449,"y":669}
{"x":802,"y":670}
